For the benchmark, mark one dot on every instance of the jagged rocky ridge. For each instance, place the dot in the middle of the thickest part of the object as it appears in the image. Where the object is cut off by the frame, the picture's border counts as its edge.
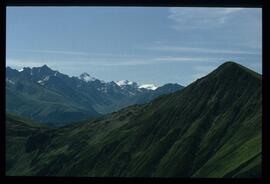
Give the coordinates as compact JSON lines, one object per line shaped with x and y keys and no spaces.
{"x":49,"y":96}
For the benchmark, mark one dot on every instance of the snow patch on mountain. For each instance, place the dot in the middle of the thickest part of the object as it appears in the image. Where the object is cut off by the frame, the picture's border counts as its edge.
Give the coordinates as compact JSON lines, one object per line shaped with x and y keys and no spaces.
{"x":42,"y":82}
{"x":10,"y":81}
{"x":125,"y":83}
{"x":102,"y":89}
{"x":25,"y":69}
{"x":148,"y":86}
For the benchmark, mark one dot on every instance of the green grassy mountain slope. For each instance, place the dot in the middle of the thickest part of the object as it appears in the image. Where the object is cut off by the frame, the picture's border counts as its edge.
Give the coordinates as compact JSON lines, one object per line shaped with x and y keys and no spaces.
{"x":212,"y":128}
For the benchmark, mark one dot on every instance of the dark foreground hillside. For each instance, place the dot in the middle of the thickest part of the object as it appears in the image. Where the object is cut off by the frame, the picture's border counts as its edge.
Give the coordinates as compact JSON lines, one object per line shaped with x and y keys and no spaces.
{"x":212,"y":128}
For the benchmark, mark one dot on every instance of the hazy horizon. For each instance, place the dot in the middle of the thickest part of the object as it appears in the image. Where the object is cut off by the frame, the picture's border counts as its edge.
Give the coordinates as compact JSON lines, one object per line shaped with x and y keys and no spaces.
{"x":145,"y":45}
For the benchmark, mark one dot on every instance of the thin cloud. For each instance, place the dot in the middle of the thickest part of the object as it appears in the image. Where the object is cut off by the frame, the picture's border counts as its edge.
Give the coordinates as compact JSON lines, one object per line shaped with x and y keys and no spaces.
{"x":20,"y":63}
{"x":86,"y":62}
{"x":202,"y":50}
{"x":187,"y":59}
{"x":49,"y":51}
{"x":201,"y":18}
{"x":62,"y":52}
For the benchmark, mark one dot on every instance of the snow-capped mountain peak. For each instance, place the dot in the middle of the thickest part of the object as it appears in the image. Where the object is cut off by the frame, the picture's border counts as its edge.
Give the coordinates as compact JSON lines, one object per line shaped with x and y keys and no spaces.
{"x":148,"y":86}
{"x":125,"y":83}
{"x":86,"y":77}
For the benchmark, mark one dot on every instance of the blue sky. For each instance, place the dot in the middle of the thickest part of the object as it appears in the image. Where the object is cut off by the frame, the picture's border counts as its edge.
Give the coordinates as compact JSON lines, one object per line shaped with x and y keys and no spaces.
{"x":143,"y":44}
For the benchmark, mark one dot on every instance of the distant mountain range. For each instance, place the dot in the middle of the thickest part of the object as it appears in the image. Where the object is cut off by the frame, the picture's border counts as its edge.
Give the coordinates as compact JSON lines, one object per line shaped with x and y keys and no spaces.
{"x":49,"y":96}
{"x":210,"y":129}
